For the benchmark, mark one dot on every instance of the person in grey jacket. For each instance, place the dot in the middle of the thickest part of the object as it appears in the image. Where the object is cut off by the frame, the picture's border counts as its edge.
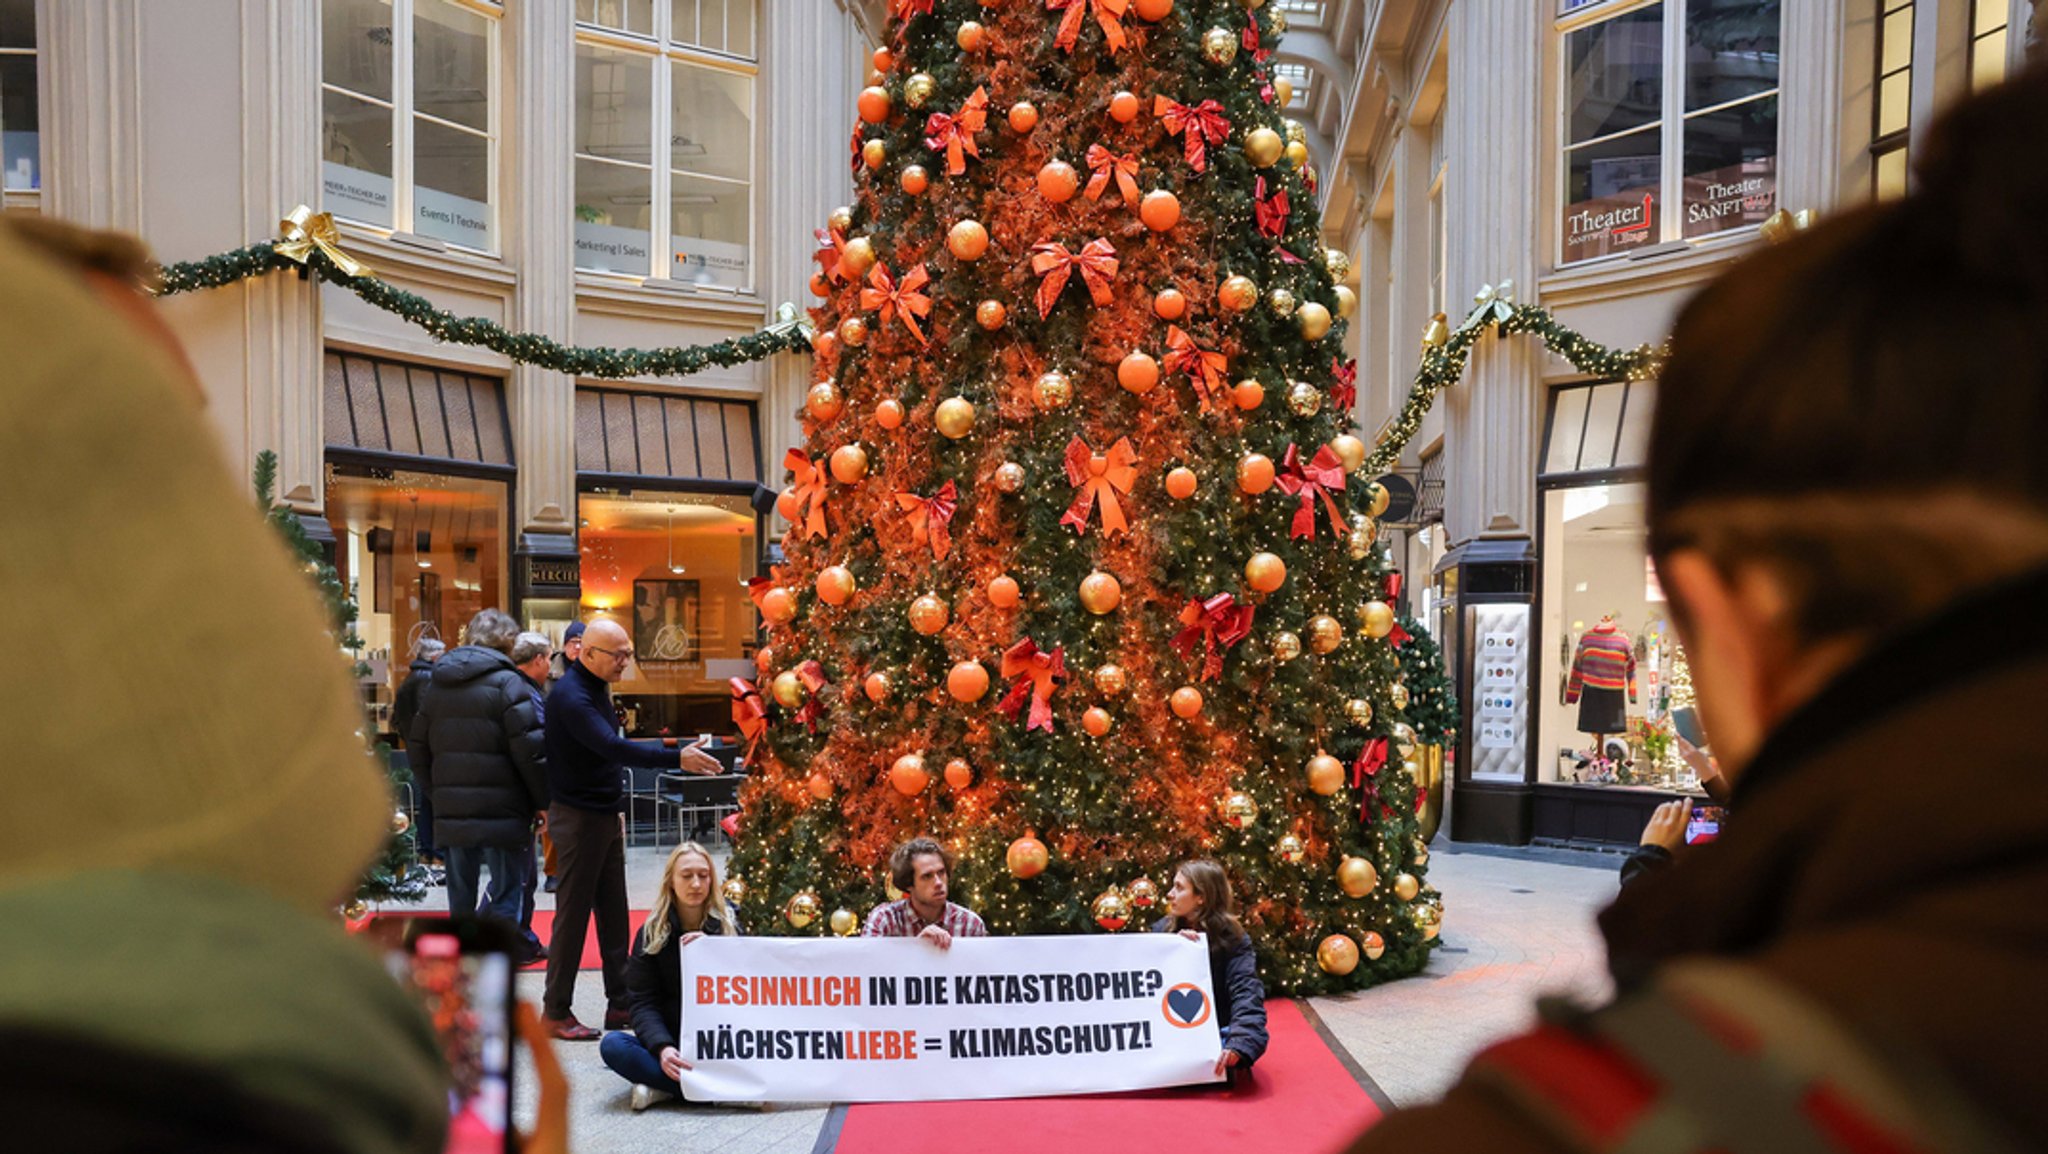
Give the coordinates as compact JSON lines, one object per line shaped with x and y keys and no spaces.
{"x":1200,"y":902}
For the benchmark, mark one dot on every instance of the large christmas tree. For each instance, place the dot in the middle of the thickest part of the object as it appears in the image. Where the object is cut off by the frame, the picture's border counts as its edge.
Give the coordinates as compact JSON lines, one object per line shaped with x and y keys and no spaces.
{"x":1078,"y":581}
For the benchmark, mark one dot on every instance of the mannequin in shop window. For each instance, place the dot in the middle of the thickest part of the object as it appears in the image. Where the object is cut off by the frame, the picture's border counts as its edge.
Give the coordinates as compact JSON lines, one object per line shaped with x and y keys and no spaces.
{"x":1603,"y":686}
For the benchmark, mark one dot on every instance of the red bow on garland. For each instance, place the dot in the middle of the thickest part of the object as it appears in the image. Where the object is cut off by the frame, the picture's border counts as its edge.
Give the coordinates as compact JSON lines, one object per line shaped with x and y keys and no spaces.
{"x":1051,"y":260}
{"x":1219,"y":623}
{"x":1251,"y":43}
{"x":1108,"y":13}
{"x":1105,"y":164}
{"x":1198,"y":126}
{"x":1100,"y":478}
{"x":1323,"y":473}
{"x":1203,"y":367}
{"x":1270,"y":211}
{"x":809,"y":488}
{"x":930,"y":516}
{"x":955,"y":133}
{"x":1399,"y":636}
{"x":812,"y":675}
{"x":1344,"y":387}
{"x":1035,"y":674}
{"x":1365,"y":772}
{"x":749,"y":713}
{"x":882,"y":292}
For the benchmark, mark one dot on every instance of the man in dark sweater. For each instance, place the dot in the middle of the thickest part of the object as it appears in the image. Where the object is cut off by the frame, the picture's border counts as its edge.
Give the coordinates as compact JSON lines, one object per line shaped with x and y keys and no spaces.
{"x":585,"y":754}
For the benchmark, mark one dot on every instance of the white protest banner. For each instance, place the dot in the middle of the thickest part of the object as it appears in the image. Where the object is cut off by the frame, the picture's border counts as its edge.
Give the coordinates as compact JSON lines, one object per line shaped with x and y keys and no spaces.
{"x":898,"y":1019}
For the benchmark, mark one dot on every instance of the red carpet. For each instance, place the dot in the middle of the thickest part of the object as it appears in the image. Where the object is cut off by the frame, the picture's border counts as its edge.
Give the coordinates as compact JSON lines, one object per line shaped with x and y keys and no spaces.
{"x":1300,"y":1097}
{"x":543,"y":925}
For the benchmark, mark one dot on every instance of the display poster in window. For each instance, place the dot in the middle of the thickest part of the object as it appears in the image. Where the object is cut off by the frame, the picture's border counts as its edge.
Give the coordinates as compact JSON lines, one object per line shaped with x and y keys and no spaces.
{"x":355,"y":194}
{"x":455,"y":219}
{"x":1619,"y":214}
{"x":1741,"y":194}
{"x":666,"y":616}
{"x":697,"y":261}
{"x":609,"y":248}
{"x":1500,"y":682}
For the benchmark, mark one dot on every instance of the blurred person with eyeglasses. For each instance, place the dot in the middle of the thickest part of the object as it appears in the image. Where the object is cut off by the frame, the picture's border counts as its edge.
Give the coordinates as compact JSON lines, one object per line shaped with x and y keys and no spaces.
{"x":586,"y":753}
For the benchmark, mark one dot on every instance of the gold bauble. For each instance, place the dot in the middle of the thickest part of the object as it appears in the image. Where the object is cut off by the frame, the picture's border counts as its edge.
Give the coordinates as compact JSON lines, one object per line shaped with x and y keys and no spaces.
{"x":844,"y":922}
{"x":1356,"y":877}
{"x":1429,"y":920}
{"x":1290,"y":849}
{"x":1313,"y":320}
{"x":1350,"y":451}
{"x":858,"y":255}
{"x":1110,"y":680}
{"x":1283,"y":92}
{"x":841,"y":219}
{"x":400,"y":821}
{"x":1437,"y":332}
{"x":955,"y":417}
{"x":1052,"y":390}
{"x":1347,"y":301}
{"x":788,"y":689}
{"x":1009,"y":476}
{"x":1325,"y":774}
{"x":1398,"y":695}
{"x":824,"y":401}
{"x":1324,"y":633}
{"x":1101,"y":593}
{"x":1278,"y":21}
{"x":1378,"y":618}
{"x":928,"y":614}
{"x":1404,"y":739}
{"x":1376,"y":498}
{"x":1219,"y":46}
{"x":1337,"y":954}
{"x":1296,"y":153}
{"x":1262,"y":146}
{"x":1237,"y":294}
{"x":1372,"y":945}
{"x":1337,"y":262}
{"x":1239,"y":810}
{"x":1112,"y":910}
{"x":1144,"y":894}
{"x":1293,"y":130}
{"x":1413,"y":769}
{"x":853,"y":332}
{"x":874,"y":154}
{"x":918,"y":89}
{"x":1358,"y":711}
{"x":1281,"y":301}
{"x":356,"y":910}
{"x":1304,"y":399}
{"x":1421,"y":858}
{"x":1406,"y":887}
{"x":1286,"y":646}
{"x":803,"y":909}
{"x":735,"y":890}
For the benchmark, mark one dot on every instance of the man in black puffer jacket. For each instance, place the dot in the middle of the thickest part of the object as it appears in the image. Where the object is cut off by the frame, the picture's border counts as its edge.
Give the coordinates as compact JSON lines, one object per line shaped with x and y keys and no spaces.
{"x":477,"y":747}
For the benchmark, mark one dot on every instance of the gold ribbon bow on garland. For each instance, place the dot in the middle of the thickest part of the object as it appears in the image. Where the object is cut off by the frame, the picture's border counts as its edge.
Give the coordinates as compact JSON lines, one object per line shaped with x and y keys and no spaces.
{"x":1496,"y":305}
{"x":305,"y":230}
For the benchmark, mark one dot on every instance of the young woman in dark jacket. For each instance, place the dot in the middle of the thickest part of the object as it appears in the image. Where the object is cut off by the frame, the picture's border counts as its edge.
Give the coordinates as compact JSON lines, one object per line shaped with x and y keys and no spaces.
{"x":689,"y":906}
{"x":1200,"y":902}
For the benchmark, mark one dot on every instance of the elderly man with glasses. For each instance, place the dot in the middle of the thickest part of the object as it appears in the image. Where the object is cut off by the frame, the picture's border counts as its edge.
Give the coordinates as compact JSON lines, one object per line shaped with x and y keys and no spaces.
{"x":585,"y":753}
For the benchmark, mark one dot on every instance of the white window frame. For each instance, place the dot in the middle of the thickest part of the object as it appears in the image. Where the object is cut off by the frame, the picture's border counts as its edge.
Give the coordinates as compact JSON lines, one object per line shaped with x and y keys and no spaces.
{"x":664,"y":53}
{"x":403,"y":208}
{"x":33,"y":193}
{"x":1670,"y":127}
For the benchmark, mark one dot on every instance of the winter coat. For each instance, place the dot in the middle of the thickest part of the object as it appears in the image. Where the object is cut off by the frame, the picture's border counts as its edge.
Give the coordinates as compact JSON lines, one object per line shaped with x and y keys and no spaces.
{"x":1889,"y":870}
{"x":477,"y":745}
{"x":1240,"y":995}
{"x":654,"y":982}
{"x":406,"y":705}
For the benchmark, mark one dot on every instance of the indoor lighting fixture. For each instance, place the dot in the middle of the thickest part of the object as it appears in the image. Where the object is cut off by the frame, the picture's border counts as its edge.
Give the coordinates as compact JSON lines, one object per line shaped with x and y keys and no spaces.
{"x":672,"y":566}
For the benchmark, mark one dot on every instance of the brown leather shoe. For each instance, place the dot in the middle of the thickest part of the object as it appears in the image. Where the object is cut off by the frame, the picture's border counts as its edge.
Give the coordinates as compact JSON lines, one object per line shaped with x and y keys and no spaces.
{"x":618,"y":1019}
{"x":570,"y":1030}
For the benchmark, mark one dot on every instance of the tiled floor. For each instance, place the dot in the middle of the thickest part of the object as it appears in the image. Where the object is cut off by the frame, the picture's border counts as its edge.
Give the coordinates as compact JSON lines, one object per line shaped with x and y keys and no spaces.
{"x":1517,"y":923}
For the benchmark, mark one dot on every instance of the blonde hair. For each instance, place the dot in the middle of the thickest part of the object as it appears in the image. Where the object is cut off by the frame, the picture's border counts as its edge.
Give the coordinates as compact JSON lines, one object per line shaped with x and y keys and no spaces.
{"x":654,"y":936}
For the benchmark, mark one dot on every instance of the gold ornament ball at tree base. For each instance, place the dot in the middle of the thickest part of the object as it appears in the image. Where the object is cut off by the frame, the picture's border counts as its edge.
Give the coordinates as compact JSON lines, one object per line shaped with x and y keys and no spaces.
{"x":955,"y":417}
{"x":400,"y":821}
{"x":1110,"y":680}
{"x":1313,"y":319}
{"x":1347,"y":301}
{"x":1239,"y":810}
{"x":1358,"y":711}
{"x":859,"y":254}
{"x":1398,"y":694}
{"x":789,"y":690}
{"x":1350,"y":451}
{"x":1282,"y":302}
{"x":1325,"y":774}
{"x":1373,"y":945}
{"x":844,"y":922}
{"x":1377,"y":617}
{"x":1112,"y":911}
{"x":1265,"y":572}
{"x":356,"y":910}
{"x":1290,"y":849}
{"x":1219,"y":46}
{"x":1052,"y":390}
{"x":1296,"y":153}
{"x":1324,"y":633}
{"x":1237,"y":294}
{"x":1337,"y":954}
{"x":1406,"y":887}
{"x":928,"y":615}
{"x":1376,"y":498}
{"x":1429,"y":920}
{"x":1101,"y":593}
{"x":1304,"y":399}
{"x":1356,"y":877}
{"x":824,"y":401}
{"x":1263,"y":146}
{"x":1010,"y":476}
{"x":842,"y":220}
{"x":1144,"y":895}
{"x":1404,"y":739}
{"x":735,"y":890}
{"x":1337,"y":263}
{"x":918,"y":89}
{"x":1027,"y":856}
{"x":1286,"y":646}
{"x":803,"y":909}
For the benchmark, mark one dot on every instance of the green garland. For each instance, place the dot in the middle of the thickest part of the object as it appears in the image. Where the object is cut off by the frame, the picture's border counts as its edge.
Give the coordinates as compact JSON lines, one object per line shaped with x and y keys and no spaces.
{"x":788,"y":334}
{"x":1444,"y":364}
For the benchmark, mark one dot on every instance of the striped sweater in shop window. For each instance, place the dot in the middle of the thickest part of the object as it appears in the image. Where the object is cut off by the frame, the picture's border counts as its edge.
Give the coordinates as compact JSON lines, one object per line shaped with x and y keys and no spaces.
{"x":1606,"y":660}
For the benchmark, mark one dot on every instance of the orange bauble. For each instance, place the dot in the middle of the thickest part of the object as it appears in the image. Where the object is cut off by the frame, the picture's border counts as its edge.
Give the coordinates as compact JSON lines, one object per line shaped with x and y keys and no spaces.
{"x":1148,"y":10}
{"x":820,"y":786}
{"x":1325,"y":774}
{"x":1101,"y":593}
{"x":1248,"y":394}
{"x":835,"y":584}
{"x":1023,"y":116}
{"x":1160,"y":210}
{"x":928,"y":615}
{"x":1169,"y":304}
{"x":764,"y":660}
{"x":967,"y":240}
{"x":1180,"y":484}
{"x":1003,"y":592}
{"x":914,"y":179}
{"x":959,"y":774}
{"x":1057,"y":181}
{"x":1138,"y":373}
{"x":1372,"y":945}
{"x":876,"y":687}
{"x":990,"y":315}
{"x":1254,"y":472}
{"x":883,"y":59}
{"x":889,"y":415}
{"x":968,"y":681}
{"x":1027,"y":857}
{"x":1186,"y":702}
{"x":850,"y":464}
{"x":819,"y":285}
{"x":825,"y":343}
{"x":824,"y":401}
{"x":1265,"y":572}
{"x":908,"y":775}
{"x":1096,"y":721}
{"x":777,"y":605}
{"x":873,"y":105}
{"x":1237,"y":293}
{"x":787,"y":505}
{"x":971,"y":36}
{"x":853,"y":332}
{"x":1123,"y":107}
{"x":874,"y":154}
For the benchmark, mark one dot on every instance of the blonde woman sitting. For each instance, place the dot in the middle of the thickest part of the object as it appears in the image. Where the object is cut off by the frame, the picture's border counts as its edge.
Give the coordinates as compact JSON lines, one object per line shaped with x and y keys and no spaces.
{"x":689,"y":906}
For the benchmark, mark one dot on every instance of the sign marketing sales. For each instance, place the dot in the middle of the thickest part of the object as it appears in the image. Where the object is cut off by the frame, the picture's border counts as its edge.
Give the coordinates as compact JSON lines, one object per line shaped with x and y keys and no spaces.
{"x":897,"y":1019}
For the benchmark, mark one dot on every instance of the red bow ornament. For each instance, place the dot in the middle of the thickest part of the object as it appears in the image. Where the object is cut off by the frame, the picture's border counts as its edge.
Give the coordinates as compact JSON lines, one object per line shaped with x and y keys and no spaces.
{"x":1318,"y":478}
{"x":749,"y":713}
{"x":1203,"y":367}
{"x":1051,"y":260}
{"x":905,"y":9}
{"x":1251,"y":43}
{"x":882,"y":292}
{"x":1270,"y":211}
{"x":1365,"y":772}
{"x":1218,"y":623}
{"x":1108,"y":13}
{"x":1100,"y":477}
{"x":930,"y":517}
{"x":812,"y":675}
{"x":1034,"y":675}
{"x":1344,"y":387}
{"x":809,"y":488}
{"x":954,"y":133}
{"x":1198,"y":126}
{"x":831,"y":254}
{"x":1106,"y":165}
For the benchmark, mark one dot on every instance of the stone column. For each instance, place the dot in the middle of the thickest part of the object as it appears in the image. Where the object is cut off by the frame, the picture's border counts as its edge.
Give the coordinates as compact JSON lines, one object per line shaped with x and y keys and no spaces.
{"x":1811,"y":97}
{"x":91,"y":51}
{"x":538,"y":151}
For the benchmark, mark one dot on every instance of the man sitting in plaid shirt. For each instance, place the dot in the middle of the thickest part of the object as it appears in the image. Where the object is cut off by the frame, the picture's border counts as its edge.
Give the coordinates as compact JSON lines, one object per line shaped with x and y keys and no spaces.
{"x":920,"y":867}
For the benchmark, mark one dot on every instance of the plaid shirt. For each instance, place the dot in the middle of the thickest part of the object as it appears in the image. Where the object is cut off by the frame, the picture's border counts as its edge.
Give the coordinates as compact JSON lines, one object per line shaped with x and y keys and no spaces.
{"x":898,"y":920}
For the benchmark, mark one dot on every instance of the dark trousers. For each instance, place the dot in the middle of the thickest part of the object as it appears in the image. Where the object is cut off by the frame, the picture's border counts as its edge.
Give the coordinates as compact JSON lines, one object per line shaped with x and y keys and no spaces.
{"x":531,"y":861}
{"x":629,"y":1059}
{"x":590,"y":850}
{"x":509,"y":870}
